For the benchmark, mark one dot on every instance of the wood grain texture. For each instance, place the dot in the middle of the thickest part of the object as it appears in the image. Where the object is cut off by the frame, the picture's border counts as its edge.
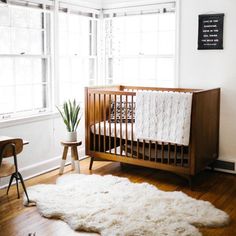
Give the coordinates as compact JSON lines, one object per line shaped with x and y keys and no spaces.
{"x":216,"y":187}
{"x":204,"y":131}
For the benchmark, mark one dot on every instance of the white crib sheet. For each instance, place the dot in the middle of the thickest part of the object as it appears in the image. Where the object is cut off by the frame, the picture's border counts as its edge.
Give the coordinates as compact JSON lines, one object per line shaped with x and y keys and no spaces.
{"x":119,"y":127}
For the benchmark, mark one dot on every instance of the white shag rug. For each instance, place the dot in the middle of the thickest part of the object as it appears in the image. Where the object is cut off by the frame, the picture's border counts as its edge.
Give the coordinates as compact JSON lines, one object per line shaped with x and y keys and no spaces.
{"x":112,"y":206}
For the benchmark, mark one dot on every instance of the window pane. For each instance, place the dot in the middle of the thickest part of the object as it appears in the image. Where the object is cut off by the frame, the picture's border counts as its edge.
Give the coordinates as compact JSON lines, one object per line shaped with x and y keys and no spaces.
{"x":6,"y":71}
{"x":149,"y":43}
{"x":84,"y":23}
{"x":132,"y":24}
{"x":24,"y":98}
{"x":75,"y":42}
{"x":65,"y":91}
{"x":118,"y":25}
{"x":147,"y":69}
{"x":149,"y":22}
{"x":117,"y":71}
{"x":23,"y":71}
{"x":132,"y":44}
{"x":77,"y":92}
{"x":4,"y":16}
{"x":91,"y":69}
{"x":64,"y":69}
{"x":74,"y":23}
{"x":5,"y":40}
{"x":165,"y":69}
{"x":39,"y":96}
{"x":130,"y":69}
{"x":35,"y":19}
{"x":19,"y":17}
{"x":23,"y":79}
{"x":167,"y":22}
{"x":36,"y":44}
{"x":76,"y":69}
{"x":37,"y":69}
{"x":6,"y":99}
{"x":63,"y":42}
{"x":20,"y":40}
{"x":166,"y":43}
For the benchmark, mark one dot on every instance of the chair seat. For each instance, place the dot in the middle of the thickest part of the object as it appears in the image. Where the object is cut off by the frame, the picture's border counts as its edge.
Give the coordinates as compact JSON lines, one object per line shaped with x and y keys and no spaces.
{"x":6,"y":169}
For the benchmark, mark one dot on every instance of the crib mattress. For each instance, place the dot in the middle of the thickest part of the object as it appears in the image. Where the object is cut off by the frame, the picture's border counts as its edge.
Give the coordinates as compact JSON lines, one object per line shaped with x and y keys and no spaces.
{"x":120,"y":127}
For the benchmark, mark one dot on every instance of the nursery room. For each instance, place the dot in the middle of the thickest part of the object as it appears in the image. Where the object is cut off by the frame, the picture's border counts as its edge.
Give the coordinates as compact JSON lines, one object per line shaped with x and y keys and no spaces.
{"x":117,"y":117}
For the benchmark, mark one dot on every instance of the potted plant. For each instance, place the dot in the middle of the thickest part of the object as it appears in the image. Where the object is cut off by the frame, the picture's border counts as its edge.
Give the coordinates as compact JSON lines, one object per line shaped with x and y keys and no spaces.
{"x":71,"y":116}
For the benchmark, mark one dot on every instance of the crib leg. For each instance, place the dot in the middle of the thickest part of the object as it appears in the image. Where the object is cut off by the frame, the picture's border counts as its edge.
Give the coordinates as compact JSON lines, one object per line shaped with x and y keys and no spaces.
{"x":190,"y":182}
{"x":91,"y":163}
{"x":212,"y":166}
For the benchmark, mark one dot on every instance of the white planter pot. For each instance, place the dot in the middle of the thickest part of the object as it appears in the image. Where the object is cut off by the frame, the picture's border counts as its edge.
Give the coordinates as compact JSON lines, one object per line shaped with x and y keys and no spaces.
{"x":71,"y":136}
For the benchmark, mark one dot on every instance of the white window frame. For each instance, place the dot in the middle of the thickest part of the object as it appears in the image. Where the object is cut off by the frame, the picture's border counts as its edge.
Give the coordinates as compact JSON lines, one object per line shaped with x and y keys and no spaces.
{"x":44,"y":56}
{"x":71,"y":5}
{"x":133,"y":10}
{"x":92,"y":54}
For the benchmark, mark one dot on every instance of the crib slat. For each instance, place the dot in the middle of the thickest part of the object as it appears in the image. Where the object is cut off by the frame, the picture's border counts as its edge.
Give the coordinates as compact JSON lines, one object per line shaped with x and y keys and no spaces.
{"x":126,"y":124}
{"x":143,"y":149}
{"x":156,"y":151}
{"x":149,"y":153}
{"x":132,"y":124}
{"x":137,"y":148}
{"x":168,"y":153}
{"x":109,"y":123}
{"x":188,"y":156}
{"x":104,"y":123}
{"x":94,"y":123}
{"x":115,"y":125}
{"x":182,"y":155}
{"x":121,"y":125}
{"x":175,"y":154}
{"x":162,"y":152}
{"x":99,"y":120}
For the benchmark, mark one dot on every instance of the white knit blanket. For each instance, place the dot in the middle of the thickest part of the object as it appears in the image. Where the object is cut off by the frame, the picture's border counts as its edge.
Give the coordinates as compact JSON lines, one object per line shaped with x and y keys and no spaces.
{"x":163,"y":116}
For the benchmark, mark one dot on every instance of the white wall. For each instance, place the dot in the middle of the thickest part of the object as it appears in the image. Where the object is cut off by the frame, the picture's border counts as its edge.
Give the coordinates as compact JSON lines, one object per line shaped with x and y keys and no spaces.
{"x":211,"y":68}
{"x":44,"y":149}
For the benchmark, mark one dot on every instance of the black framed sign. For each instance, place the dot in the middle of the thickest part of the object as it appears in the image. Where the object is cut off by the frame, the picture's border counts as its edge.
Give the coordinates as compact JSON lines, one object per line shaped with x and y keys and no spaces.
{"x":210,"y":31}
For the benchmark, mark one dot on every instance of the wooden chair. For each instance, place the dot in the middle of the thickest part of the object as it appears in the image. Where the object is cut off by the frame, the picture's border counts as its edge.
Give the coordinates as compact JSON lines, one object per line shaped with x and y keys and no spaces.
{"x":10,"y":148}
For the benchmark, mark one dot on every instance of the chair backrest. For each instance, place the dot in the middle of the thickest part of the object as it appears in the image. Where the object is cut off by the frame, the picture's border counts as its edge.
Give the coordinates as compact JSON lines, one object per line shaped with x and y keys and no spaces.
{"x":6,"y":147}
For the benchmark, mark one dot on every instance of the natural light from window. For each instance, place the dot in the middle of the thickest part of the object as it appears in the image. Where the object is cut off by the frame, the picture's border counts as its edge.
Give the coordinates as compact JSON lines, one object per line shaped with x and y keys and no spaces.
{"x":140,"y":49}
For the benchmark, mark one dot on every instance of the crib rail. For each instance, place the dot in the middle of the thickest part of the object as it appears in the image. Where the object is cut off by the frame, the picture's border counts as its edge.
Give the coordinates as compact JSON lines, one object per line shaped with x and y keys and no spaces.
{"x":111,"y":130}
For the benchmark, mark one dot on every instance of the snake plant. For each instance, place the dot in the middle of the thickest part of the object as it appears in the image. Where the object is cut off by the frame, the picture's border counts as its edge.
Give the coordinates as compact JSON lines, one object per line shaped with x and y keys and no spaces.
{"x":70,"y":114}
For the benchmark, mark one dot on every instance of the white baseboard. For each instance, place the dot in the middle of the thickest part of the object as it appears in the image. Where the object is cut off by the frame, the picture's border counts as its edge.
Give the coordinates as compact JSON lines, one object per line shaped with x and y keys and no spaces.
{"x":39,"y":168}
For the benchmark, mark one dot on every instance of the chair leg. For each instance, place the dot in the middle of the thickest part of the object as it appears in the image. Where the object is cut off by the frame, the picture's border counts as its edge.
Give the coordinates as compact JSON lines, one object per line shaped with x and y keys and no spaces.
{"x":23,"y":185}
{"x":10,"y":182}
{"x":17,"y":186}
{"x":91,"y":163}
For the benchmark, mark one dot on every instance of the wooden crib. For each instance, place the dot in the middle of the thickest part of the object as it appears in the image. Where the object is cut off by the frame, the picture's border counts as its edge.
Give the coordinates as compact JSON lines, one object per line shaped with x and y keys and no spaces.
{"x":116,"y":141}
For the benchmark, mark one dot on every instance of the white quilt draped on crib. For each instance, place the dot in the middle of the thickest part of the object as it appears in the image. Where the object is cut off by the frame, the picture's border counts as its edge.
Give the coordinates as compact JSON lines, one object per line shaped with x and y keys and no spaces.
{"x":163,"y":116}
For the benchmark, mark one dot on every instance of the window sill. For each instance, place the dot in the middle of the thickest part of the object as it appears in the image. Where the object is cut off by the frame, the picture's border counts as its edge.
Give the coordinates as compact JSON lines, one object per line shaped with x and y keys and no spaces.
{"x":28,"y":119}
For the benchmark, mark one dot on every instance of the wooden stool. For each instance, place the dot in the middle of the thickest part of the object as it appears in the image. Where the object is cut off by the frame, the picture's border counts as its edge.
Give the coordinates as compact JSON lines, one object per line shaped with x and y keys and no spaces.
{"x":74,"y":156}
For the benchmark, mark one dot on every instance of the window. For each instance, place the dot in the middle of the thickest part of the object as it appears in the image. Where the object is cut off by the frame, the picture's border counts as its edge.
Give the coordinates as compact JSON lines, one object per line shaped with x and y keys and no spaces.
{"x":140,"y":47}
{"x":24,"y":60}
{"x":78,"y":53}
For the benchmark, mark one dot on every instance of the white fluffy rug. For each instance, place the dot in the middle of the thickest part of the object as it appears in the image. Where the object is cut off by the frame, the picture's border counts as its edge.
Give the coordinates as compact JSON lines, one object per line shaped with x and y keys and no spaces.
{"x":112,"y":206}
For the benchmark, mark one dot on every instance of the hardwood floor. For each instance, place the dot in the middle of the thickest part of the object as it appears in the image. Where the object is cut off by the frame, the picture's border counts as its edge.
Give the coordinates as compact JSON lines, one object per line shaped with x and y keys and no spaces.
{"x":218,"y":188}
